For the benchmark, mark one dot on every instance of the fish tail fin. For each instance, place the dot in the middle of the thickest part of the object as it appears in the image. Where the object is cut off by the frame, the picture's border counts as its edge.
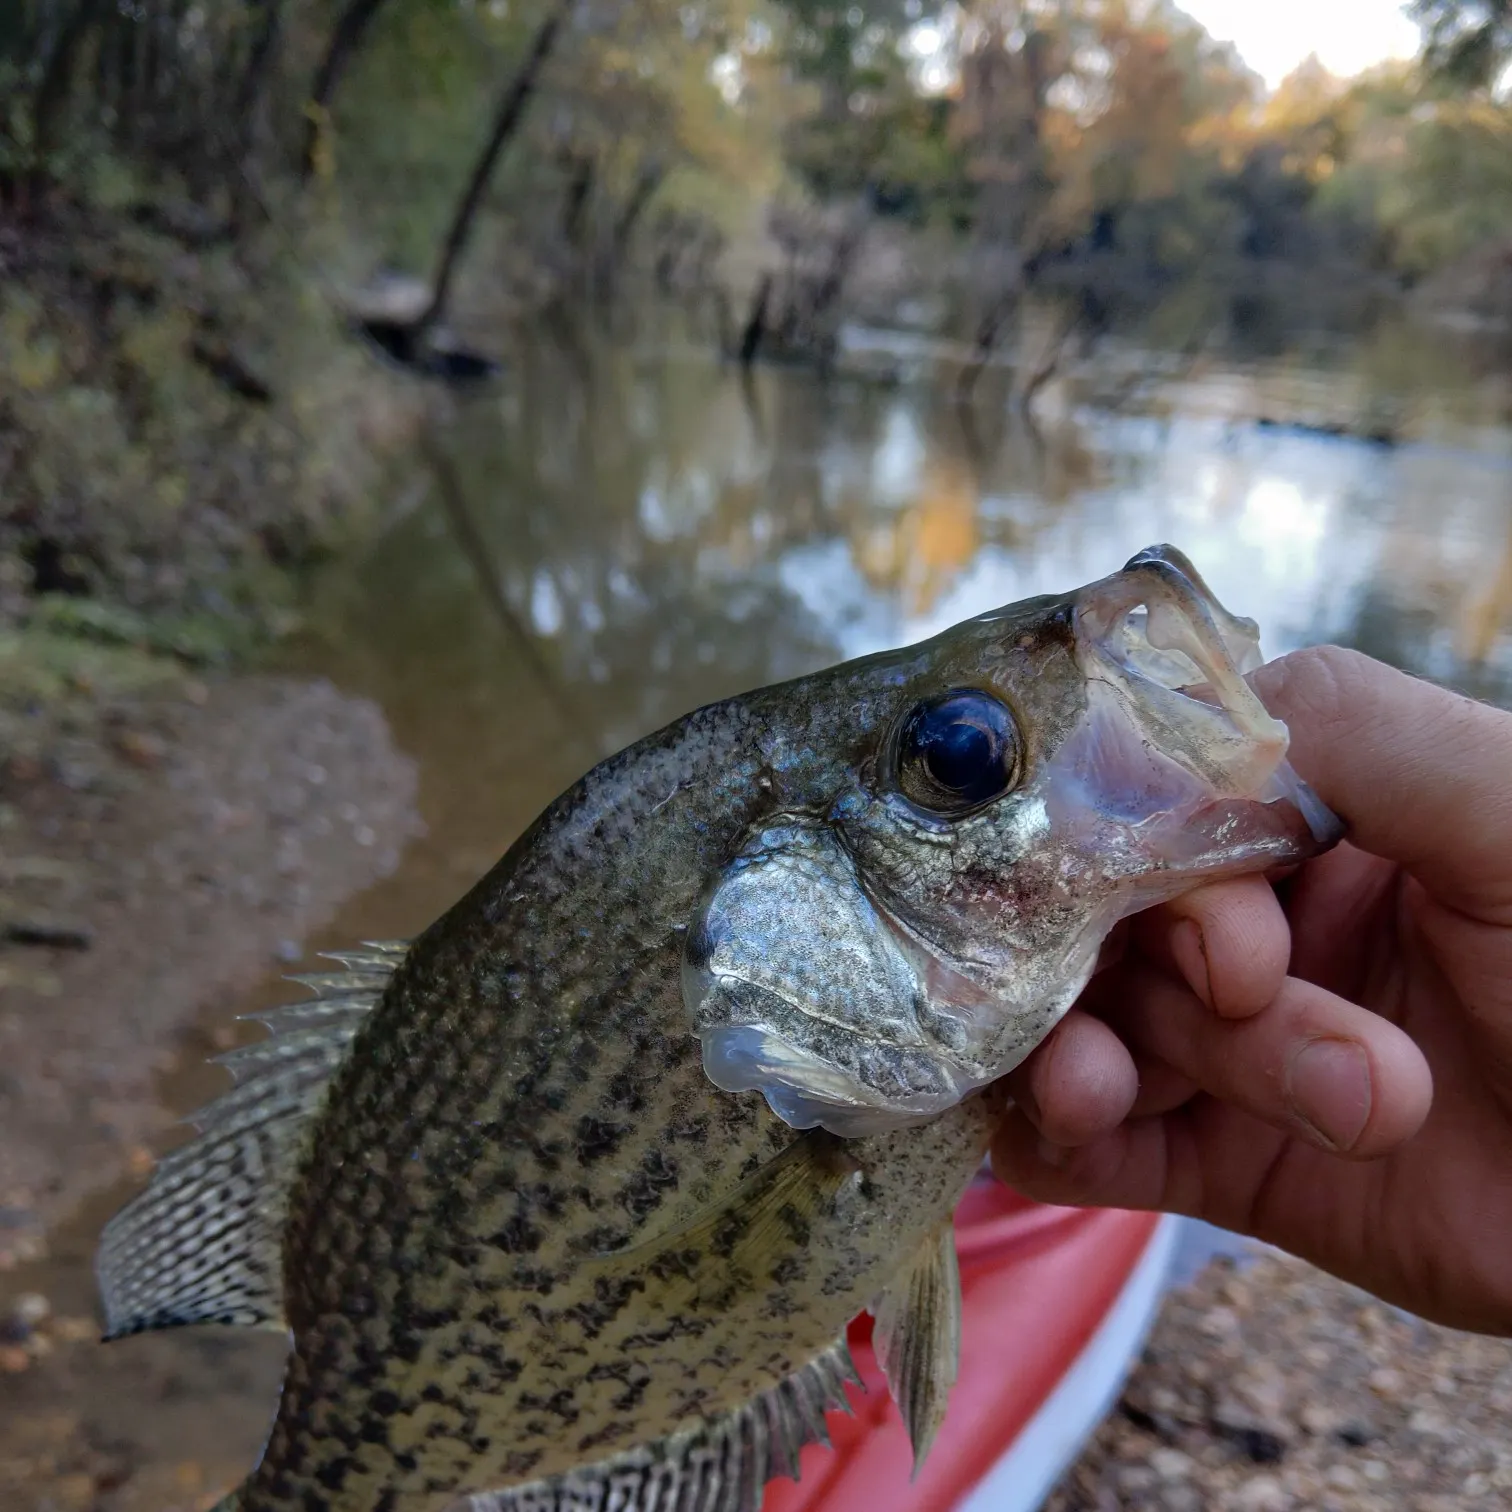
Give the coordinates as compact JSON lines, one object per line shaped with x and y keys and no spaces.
{"x":203,"y":1243}
{"x":721,"y":1466}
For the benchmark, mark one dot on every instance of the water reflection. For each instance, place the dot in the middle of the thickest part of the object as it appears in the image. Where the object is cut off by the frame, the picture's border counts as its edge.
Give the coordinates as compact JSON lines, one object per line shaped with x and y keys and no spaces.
{"x":621,"y":535}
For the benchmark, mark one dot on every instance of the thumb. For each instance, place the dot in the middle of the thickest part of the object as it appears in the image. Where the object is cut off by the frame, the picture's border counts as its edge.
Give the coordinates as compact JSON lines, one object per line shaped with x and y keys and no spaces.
{"x":1421,"y":776}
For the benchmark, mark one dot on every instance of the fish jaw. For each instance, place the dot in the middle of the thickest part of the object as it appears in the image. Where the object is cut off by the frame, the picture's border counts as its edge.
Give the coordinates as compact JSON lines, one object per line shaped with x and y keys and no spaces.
{"x":1177,"y":773}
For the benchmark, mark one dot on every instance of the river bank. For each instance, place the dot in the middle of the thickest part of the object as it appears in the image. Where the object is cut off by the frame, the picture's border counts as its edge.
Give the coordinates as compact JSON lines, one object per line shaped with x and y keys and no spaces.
{"x":150,"y":875}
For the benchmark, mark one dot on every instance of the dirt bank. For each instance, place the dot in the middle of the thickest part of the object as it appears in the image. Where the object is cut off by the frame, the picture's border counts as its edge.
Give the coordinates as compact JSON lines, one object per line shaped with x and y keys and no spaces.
{"x":150,"y":871}
{"x":146,"y":877}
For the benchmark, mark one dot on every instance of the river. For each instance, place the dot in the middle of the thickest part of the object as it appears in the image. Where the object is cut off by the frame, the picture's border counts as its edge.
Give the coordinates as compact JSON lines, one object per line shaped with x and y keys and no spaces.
{"x":615,"y":537}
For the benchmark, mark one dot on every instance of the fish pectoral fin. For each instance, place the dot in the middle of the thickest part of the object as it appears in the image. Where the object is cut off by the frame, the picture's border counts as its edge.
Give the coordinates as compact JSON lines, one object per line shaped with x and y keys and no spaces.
{"x":762,"y":1220}
{"x":917,"y":1337}
{"x":204,"y":1242}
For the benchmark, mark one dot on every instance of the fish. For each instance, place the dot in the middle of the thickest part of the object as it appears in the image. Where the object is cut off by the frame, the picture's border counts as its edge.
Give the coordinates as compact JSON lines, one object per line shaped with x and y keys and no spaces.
{"x":568,"y":1201}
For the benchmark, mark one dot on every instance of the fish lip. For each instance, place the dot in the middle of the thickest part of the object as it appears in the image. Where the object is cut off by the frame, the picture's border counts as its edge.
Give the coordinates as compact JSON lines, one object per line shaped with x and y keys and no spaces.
{"x":1181,"y":668}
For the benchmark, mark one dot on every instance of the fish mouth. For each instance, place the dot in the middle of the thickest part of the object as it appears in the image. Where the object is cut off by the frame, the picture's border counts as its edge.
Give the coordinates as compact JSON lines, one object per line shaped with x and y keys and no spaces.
{"x":1176,"y":748}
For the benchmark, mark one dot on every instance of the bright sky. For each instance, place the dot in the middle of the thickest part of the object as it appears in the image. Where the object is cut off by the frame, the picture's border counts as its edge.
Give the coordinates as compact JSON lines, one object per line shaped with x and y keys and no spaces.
{"x":1275,"y":35}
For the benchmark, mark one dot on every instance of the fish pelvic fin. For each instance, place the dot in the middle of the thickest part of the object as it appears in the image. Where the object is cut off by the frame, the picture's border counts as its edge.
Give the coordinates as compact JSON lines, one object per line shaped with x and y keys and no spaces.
{"x":917,"y":1336}
{"x":722,"y":1465}
{"x":203,"y":1242}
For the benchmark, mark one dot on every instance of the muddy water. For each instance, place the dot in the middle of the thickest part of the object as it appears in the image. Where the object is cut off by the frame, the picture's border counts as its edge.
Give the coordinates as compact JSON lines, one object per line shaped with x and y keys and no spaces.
{"x":610,"y":538}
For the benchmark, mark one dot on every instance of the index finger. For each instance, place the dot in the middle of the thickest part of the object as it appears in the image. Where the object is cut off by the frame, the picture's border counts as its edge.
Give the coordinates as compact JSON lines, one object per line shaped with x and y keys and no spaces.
{"x":1421,"y":775}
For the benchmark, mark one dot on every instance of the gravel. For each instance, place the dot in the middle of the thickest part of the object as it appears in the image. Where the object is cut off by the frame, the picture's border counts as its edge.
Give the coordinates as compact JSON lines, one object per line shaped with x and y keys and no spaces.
{"x":1267,"y":1386}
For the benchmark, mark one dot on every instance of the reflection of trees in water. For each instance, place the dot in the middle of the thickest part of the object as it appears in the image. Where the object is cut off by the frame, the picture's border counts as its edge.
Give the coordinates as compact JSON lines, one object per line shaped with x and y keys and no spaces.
{"x":1419,"y":637}
{"x":1488,"y":615}
{"x":1439,"y":598}
{"x":615,"y":539}
{"x":637,"y":515}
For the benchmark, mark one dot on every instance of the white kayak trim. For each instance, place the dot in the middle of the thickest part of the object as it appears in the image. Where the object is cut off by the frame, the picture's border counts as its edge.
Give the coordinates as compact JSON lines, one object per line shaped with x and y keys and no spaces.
{"x":1056,"y":1434}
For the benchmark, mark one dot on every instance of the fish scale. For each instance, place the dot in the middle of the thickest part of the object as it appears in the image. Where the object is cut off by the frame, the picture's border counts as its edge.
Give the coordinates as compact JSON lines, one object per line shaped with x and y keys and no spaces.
{"x":526,"y":1203}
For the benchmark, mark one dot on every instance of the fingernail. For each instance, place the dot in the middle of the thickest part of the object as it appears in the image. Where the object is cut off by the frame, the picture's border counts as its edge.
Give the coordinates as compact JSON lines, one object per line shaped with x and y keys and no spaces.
{"x":1328,"y":1087}
{"x":1052,"y":1155}
{"x":1191,"y":956}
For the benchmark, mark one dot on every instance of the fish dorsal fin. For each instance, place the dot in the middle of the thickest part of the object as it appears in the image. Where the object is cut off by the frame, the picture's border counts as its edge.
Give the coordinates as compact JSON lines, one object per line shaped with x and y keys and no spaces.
{"x":720,"y":1466}
{"x":203,"y":1243}
{"x":917,"y":1336}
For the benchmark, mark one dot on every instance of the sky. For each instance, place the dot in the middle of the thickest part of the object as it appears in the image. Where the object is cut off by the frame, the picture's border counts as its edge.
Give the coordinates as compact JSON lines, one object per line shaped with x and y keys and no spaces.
{"x":1273,"y":36}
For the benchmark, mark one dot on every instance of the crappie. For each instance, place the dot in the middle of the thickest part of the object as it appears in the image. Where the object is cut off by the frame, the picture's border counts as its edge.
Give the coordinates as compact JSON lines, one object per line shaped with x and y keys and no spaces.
{"x":568,"y":1202}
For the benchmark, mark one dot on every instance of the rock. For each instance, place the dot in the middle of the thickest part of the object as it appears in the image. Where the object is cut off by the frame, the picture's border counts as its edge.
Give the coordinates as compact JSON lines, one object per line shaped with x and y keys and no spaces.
{"x":27,"y":1314}
{"x":1251,"y":1411}
{"x":141,"y":748}
{"x":1220,"y":1322}
{"x":32,"y":1308}
{"x":1344,"y":1478}
{"x":1135,"y":1480}
{"x":1431,"y":1423}
{"x":1356,"y":1432}
{"x":1172,"y":1464}
{"x":1318,"y":1420}
{"x":1178,"y":1496}
{"x":1262,"y":1494}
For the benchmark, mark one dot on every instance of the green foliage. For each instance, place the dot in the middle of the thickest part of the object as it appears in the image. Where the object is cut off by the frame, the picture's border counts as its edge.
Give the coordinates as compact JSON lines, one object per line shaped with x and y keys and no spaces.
{"x":1466,"y":43}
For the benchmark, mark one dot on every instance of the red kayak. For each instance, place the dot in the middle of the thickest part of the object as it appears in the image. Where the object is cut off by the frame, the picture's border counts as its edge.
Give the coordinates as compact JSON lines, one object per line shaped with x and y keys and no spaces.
{"x":1055,"y":1305}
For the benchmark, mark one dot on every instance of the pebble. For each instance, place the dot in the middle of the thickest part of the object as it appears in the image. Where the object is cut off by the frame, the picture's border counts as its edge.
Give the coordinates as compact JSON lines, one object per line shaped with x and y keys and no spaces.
{"x":1431,"y":1423}
{"x":32,"y":1309}
{"x":140,"y":748}
{"x":74,"y":1490}
{"x":1171,"y":1464}
{"x":1344,"y":1478}
{"x":1262,"y":1494}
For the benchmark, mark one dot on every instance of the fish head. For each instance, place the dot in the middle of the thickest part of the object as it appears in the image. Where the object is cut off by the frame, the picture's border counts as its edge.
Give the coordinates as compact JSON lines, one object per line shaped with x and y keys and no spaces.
{"x":873,"y":955}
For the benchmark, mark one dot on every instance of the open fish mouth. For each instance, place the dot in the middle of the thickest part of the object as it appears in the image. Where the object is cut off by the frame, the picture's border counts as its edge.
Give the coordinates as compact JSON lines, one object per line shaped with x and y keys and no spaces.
{"x":1176,"y":749}
{"x":862,"y":978}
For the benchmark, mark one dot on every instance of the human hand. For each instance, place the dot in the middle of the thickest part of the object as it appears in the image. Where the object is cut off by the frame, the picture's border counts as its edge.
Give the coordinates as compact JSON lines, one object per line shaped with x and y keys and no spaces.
{"x":1266,"y":1058}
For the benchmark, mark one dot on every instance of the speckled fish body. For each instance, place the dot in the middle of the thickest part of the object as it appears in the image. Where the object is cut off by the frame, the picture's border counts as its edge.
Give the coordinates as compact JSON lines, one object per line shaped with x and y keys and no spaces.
{"x":617,"y":1147}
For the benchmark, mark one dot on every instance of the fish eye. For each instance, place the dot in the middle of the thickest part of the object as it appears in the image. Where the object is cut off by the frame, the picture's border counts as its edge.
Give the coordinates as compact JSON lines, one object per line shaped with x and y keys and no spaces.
{"x":958,"y":752}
